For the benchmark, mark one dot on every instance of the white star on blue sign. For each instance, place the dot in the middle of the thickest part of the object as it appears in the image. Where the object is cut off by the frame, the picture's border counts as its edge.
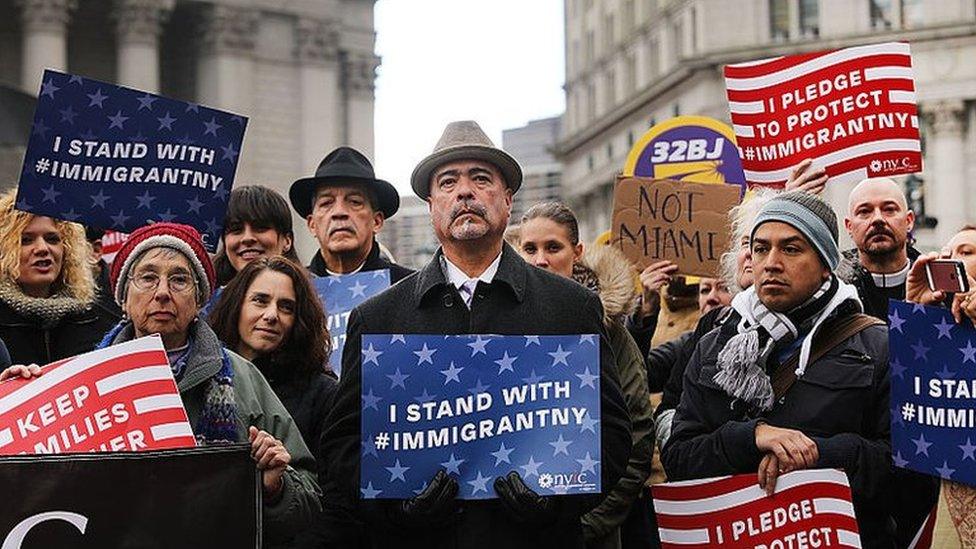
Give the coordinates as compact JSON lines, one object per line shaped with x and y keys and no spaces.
{"x":454,"y":398}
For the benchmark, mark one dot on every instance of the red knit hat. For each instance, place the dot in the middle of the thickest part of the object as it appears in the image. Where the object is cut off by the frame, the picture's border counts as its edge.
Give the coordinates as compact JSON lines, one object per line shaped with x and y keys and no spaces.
{"x":182,"y":238}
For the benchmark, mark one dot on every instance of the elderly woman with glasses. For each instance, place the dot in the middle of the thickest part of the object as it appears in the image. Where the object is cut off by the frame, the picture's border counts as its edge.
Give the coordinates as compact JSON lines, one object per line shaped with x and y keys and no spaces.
{"x":161,"y":277}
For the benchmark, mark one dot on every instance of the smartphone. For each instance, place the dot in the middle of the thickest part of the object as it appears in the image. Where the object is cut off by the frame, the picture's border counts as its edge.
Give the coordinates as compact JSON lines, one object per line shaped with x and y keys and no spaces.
{"x":947,"y":275}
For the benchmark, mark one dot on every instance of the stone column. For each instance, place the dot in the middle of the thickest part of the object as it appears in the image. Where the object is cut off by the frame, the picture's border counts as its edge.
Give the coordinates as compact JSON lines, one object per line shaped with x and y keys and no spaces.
{"x":225,"y":69}
{"x":225,"y":65}
{"x":316,"y":50}
{"x":138,"y":25}
{"x":45,"y":39}
{"x":945,"y":188}
{"x":359,"y":76}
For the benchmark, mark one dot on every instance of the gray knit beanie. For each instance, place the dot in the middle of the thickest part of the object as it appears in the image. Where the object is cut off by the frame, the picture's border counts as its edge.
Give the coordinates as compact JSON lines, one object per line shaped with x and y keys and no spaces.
{"x":810,"y":215}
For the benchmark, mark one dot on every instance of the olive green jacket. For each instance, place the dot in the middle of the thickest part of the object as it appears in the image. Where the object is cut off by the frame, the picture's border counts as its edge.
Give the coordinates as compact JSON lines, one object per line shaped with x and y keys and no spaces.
{"x":257,"y":405}
{"x":606,"y":271}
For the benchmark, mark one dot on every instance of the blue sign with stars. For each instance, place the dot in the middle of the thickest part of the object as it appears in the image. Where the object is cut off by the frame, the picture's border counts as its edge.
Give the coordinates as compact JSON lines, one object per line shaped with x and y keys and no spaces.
{"x":117,"y":158}
{"x":933,"y":392}
{"x":339,"y":296}
{"x":480,"y":407}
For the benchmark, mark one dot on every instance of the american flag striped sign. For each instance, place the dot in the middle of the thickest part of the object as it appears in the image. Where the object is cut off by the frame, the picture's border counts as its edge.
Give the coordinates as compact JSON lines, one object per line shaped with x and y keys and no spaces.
{"x":810,"y":508}
{"x":121,"y":398}
{"x":853,"y":111}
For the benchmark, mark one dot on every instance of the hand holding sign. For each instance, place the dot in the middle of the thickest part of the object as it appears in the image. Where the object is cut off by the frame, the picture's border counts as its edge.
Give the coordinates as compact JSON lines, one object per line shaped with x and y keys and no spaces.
{"x":272,"y":460}
{"x":852,"y":110}
{"x":807,"y":509}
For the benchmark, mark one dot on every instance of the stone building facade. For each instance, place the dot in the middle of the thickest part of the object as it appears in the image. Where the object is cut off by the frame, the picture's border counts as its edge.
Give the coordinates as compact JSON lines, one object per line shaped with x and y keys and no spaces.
{"x":303,"y":71}
{"x":633,"y":63}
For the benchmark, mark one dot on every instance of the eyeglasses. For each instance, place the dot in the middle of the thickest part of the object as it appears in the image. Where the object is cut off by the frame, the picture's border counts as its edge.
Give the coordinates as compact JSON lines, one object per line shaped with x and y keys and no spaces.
{"x":177,"y":282}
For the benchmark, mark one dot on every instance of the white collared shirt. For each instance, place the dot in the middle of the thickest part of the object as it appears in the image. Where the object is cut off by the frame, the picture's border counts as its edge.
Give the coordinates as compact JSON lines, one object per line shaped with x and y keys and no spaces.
{"x":354,"y":271}
{"x":457,"y":277}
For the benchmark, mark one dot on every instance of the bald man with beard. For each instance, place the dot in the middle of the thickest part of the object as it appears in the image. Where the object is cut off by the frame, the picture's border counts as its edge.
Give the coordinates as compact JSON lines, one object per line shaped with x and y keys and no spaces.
{"x":879,"y":222}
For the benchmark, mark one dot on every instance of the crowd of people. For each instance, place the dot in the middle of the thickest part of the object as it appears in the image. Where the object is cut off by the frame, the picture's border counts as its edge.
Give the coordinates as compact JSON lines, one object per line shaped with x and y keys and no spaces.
{"x":785,"y":366}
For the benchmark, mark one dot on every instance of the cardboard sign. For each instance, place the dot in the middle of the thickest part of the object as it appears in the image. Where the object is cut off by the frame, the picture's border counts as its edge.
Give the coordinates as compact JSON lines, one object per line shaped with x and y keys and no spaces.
{"x":197,"y":497}
{"x":121,"y":398}
{"x":933,"y":392}
{"x":852,"y":111}
{"x":339,"y":296}
{"x":810,"y":508}
{"x":687,"y":148}
{"x":117,"y":158}
{"x":480,"y":406}
{"x":687,"y":223}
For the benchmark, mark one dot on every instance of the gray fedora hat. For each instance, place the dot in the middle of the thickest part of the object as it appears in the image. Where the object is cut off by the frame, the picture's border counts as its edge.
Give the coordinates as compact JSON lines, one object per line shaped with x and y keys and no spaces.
{"x":464,"y":140}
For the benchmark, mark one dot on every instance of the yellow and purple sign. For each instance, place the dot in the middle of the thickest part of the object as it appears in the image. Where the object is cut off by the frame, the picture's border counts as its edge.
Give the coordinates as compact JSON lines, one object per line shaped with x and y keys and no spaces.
{"x":698,"y":149}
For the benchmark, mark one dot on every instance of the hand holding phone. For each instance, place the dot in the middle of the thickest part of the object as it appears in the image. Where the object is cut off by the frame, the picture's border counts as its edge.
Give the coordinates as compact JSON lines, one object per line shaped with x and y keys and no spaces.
{"x":947,"y":275}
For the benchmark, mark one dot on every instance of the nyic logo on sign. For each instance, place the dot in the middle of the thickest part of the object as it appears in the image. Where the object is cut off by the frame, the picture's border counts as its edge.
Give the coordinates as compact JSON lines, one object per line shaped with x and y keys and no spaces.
{"x":892,"y":166}
{"x":560,"y":482}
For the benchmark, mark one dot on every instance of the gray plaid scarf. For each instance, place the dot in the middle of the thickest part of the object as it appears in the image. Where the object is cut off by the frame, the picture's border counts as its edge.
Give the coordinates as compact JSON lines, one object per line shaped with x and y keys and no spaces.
{"x":743,"y":360}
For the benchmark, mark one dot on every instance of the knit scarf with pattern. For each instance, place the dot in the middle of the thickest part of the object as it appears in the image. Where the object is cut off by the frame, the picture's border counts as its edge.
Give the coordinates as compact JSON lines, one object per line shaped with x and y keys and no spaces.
{"x":742,"y":362}
{"x":47,"y":311}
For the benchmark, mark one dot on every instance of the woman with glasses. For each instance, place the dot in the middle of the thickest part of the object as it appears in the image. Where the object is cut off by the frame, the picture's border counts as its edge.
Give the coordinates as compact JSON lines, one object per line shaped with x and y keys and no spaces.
{"x":161,"y":276}
{"x":48,"y":305}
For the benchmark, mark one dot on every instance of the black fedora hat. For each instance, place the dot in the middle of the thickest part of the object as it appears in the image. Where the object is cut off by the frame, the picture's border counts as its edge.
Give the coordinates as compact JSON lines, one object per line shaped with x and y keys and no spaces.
{"x":342,"y":166}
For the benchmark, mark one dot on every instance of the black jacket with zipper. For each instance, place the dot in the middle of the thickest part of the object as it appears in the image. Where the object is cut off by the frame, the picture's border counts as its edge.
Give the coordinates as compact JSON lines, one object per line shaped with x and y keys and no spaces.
{"x":29,"y":342}
{"x":374,"y":262}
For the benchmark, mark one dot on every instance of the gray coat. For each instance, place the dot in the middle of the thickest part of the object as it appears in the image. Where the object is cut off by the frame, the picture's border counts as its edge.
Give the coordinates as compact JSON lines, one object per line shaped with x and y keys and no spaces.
{"x":522,"y":299}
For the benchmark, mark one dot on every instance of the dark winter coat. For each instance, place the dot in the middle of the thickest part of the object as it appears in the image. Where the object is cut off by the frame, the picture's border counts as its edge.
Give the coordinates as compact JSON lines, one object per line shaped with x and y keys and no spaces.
{"x":915,"y":494}
{"x":605,"y":270}
{"x":307,"y":398}
{"x":841,"y":402}
{"x":30,"y":341}
{"x":521,"y":299}
{"x":374,"y":262}
{"x":874,"y":299}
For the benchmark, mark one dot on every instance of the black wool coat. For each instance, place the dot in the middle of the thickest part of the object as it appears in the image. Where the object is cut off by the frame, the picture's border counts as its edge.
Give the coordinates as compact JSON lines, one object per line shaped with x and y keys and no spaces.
{"x":521,"y":300}
{"x":374,"y":262}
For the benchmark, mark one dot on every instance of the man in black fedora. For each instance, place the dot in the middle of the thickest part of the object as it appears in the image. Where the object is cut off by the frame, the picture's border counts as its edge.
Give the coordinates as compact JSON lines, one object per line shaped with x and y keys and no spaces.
{"x":345,"y":206}
{"x":474,"y":284}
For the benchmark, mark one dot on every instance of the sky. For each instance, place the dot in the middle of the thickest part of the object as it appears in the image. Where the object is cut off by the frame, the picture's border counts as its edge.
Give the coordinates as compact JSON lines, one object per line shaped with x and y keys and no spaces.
{"x":499,"y":62}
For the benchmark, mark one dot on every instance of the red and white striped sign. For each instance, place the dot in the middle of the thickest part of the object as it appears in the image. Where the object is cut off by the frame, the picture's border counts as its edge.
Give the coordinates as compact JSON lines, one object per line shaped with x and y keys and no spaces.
{"x":810,"y":508}
{"x":853,"y":111}
{"x":121,"y":398}
{"x":112,"y":242}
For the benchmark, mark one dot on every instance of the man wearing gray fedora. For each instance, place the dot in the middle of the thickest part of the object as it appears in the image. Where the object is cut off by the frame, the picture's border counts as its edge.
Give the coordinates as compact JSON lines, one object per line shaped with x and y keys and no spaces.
{"x":475,"y":284}
{"x":345,"y":206}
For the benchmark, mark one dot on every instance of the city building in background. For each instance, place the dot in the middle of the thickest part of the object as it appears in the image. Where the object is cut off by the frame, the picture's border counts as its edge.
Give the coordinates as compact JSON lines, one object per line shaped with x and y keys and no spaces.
{"x":302,"y":71}
{"x":532,"y":146}
{"x":408,"y":235}
{"x":633,"y":63}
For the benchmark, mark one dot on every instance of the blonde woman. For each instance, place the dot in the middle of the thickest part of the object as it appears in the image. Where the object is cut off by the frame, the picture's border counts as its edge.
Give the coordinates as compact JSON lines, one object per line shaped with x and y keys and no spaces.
{"x":47,"y":293}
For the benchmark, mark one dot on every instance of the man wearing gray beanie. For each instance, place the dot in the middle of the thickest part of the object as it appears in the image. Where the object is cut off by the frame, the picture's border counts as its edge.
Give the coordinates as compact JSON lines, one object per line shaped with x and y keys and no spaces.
{"x":796,"y":378}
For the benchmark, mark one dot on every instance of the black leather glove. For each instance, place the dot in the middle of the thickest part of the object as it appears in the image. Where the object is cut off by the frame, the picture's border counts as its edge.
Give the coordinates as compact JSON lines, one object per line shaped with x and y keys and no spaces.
{"x":435,"y":505}
{"x":522,"y":503}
